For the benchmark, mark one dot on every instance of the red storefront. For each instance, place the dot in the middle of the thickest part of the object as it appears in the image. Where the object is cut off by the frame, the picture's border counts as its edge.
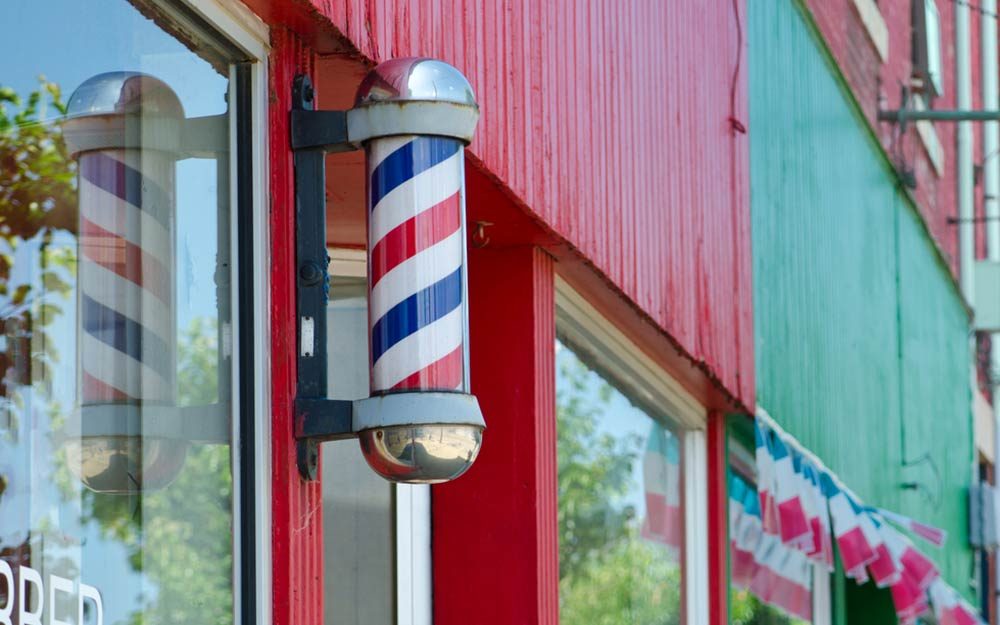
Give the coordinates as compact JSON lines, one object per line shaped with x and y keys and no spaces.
{"x":608,"y":273}
{"x":609,"y":174}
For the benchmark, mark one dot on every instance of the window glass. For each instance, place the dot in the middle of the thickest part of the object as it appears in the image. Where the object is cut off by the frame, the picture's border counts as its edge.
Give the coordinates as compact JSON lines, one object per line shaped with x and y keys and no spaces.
{"x":115,"y":340}
{"x":357,"y":504}
{"x":621,"y":530}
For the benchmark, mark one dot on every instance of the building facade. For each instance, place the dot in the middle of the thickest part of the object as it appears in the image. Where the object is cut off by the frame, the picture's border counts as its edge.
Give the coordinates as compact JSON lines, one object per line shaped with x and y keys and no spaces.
{"x":687,"y":224}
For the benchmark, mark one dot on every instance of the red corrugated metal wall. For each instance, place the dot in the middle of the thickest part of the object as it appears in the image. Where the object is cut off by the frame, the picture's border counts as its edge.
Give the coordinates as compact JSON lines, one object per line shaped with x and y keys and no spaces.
{"x":610,"y":121}
{"x":296,"y":511}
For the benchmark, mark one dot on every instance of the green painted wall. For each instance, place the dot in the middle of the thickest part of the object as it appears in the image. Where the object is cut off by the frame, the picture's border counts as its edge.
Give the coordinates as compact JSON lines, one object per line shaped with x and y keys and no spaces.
{"x":861,"y":339}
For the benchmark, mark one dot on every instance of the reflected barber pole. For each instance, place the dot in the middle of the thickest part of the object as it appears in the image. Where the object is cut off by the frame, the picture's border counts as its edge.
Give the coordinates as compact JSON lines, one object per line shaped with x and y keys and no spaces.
{"x":126,"y":292}
{"x":122,"y":128}
{"x":417,"y":307}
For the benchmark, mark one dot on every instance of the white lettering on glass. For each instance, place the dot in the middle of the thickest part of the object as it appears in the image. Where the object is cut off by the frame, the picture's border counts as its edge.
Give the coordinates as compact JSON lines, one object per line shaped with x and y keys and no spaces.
{"x":20,"y":595}
{"x":94,"y":595}
{"x":25,"y":616}
{"x":7,"y":611}
{"x":58,"y":584}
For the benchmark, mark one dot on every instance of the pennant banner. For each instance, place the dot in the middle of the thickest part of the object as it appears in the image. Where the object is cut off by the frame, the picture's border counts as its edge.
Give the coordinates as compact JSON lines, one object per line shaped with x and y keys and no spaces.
{"x":786,"y":524}
{"x":779,"y":575}
{"x":934,"y":535}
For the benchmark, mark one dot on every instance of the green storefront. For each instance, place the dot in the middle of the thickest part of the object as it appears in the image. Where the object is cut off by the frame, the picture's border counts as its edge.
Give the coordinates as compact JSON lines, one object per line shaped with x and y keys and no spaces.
{"x":862,"y":338}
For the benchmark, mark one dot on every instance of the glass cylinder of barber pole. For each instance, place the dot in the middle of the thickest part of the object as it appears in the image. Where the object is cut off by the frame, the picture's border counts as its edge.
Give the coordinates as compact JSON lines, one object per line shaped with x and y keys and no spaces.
{"x":414,"y":117}
{"x":418,"y":304}
{"x":120,"y":126}
{"x":416,"y":242}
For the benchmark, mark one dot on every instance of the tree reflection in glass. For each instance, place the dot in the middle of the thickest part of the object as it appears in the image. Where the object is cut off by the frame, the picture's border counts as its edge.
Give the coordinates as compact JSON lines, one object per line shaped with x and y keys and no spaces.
{"x":620,"y":521}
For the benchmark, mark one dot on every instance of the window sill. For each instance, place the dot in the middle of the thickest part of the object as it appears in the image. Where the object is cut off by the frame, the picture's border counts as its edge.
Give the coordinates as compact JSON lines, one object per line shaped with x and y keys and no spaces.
{"x":928,"y":136}
{"x":875,"y":26}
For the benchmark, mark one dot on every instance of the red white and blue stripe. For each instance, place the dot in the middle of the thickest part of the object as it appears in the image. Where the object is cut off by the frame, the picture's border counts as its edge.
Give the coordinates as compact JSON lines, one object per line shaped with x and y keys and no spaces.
{"x":416,"y":245}
{"x":126,"y":292}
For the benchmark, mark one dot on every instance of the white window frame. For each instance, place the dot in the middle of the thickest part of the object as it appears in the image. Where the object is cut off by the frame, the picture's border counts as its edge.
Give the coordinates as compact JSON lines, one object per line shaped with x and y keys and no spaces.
{"x":626,"y":363}
{"x":250,"y":34}
{"x":414,"y":572}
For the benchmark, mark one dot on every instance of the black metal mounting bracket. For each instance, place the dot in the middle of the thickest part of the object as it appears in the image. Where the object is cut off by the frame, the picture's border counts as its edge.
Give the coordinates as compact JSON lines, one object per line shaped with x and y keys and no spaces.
{"x":910,"y":113}
{"x":313,"y":135}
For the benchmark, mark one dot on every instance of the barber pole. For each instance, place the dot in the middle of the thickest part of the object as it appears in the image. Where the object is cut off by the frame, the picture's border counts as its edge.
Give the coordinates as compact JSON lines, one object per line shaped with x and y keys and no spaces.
{"x":417,"y":276}
{"x":126,"y":301}
{"x":126,"y":294}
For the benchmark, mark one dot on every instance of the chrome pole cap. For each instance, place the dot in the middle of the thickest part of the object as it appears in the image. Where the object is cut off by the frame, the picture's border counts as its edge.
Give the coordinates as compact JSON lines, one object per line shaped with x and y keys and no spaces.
{"x":118,"y":110}
{"x":415,"y":79}
{"x":124,"y":93}
{"x":413,"y":96}
{"x":419,"y":437}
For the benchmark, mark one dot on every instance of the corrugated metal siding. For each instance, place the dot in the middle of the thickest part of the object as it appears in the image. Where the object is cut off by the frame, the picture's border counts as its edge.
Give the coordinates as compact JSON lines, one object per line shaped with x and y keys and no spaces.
{"x":609,"y":120}
{"x":296,"y":510}
{"x":861,"y":338}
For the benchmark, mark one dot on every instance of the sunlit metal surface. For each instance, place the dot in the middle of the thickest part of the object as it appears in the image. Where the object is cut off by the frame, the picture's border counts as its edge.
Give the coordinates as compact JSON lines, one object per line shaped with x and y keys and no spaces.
{"x":415,"y":79}
{"x":425,"y":454}
{"x":125,"y":464}
{"x":127,"y":93}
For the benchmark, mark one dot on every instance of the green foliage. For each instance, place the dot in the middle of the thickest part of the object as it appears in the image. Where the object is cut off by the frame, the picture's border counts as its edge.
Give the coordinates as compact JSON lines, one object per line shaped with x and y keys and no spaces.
{"x":608,"y":574}
{"x":36,"y":173}
{"x":180,"y":538}
{"x":187,"y":544}
{"x":747,"y":609}
{"x":187,"y":534}
{"x":594,"y":471}
{"x":37,"y":199}
{"x":634,"y":583}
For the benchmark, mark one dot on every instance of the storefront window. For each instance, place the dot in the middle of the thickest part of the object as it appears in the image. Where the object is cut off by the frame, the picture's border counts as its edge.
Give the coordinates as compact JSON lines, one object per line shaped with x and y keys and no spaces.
{"x":116,"y":342}
{"x":376,"y":533}
{"x":357,"y":503}
{"x":621,"y":512}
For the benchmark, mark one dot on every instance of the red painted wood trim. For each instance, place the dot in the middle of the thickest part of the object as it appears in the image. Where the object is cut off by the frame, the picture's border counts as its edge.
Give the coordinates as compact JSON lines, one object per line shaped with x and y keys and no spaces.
{"x":296,"y":506}
{"x":495,"y":536}
{"x":718,"y":520}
